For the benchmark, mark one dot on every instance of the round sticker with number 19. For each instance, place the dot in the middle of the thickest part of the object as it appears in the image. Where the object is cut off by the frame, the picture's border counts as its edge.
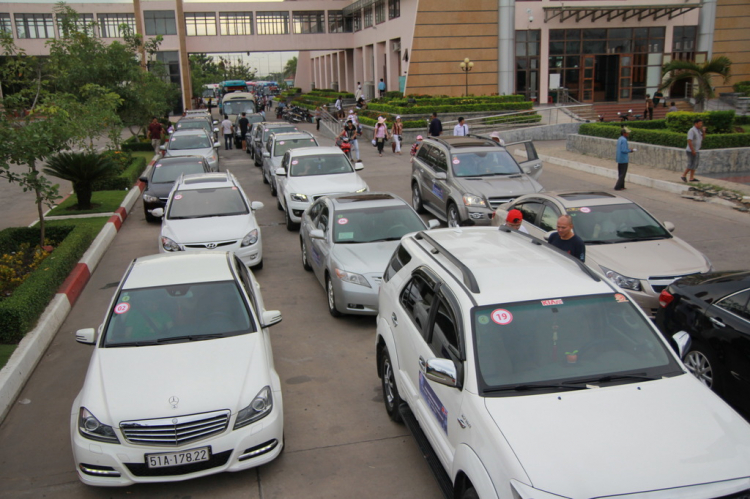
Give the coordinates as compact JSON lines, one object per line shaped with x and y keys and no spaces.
{"x":502,"y":317}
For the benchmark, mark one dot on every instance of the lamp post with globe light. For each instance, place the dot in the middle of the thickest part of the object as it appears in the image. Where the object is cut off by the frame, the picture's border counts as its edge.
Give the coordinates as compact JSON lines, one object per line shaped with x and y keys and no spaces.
{"x":466,"y":66}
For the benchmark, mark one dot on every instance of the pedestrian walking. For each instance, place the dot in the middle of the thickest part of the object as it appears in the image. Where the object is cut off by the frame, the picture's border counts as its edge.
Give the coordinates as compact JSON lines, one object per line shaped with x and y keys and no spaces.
{"x":436,"y":126}
{"x":658,"y":96}
{"x":244,"y":124}
{"x":381,"y":88}
{"x":622,"y":158}
{"x":380,"y":135}
{"x":649,"y":111}
{"x":415,"y":146}
{"x":227,"y":128}
{"x":350,"y":131}
{"x":154,"y":132}
{"x":339,"y":107}
{"x":695,"y":140}
{"x":318,"y":116}
{"x":396,"y":132}
{"x":462,"y":129}
{"x":358,"y":93}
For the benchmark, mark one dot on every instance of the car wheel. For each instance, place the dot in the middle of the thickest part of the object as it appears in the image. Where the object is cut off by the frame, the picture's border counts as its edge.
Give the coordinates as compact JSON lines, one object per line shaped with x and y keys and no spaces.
{"x":303,"y":247}
{"x":416,"y":199}
{"x":278,"y":203}
{"x":249,"y":150}
{"x":702,"y":363}
{"x":265,"y":180}
{"x":454,"y":220}
{"x":290,"y":226}
{"x":256,"y":161}
{"x":331,"y":298}
{"x":258,"y":266}
{"x":274,"y":192}
{"x":470,"y":493}
{"x":391,"y":397}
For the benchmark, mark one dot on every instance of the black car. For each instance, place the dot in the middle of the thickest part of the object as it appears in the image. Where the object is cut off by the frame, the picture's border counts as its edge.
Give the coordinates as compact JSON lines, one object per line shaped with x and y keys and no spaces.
{"x":160,"y":179}
{"x":714,"y":309}
{"x":251,"y":118}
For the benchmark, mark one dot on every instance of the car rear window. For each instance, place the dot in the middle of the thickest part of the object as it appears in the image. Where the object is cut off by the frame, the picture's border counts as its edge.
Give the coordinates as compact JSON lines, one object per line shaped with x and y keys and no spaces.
{"x":283,"y":145}
{"x":168,"y":173}
{"x":204,"y":203}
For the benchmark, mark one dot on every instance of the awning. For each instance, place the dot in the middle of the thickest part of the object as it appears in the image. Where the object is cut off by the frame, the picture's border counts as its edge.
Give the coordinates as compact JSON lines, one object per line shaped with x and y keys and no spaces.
{"x":623,"y":13}
{"x":350,"y":10}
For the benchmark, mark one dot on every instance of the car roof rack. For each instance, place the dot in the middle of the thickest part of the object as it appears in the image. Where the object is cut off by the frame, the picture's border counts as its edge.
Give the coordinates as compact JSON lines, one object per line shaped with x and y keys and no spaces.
{"x":468,"y":275}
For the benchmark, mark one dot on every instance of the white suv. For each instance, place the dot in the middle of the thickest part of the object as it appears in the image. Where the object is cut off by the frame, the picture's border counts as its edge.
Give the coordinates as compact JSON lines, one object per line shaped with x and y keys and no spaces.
{"x":527,"y":375}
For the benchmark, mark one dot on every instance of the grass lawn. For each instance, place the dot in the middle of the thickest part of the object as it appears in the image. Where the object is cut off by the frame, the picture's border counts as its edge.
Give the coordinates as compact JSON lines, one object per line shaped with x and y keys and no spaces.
{"x":746,"y":128}
{"x":5,"y":353}
{"x":148,"y":155}
{"x":102,"y":202}
{"x":95,"y":223}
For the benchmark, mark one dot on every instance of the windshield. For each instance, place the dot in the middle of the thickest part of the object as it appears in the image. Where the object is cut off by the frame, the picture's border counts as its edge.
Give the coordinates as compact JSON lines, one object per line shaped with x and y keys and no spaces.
{"x":375,"y":224}
{"x":183,"y":142}
{"x":561,"y":339}
{"x":282,"y":146}
{"x":484,"y":164}
{"x":615,"y":223}
{"x":306,"y":166}
{"x":187,"y":312}
{"x":193,"y":125}
{"x":239,"y":106}
{"x":169,"y":173}
{"x":208,"y":93}
{"x":203,"y":203}
{"x":278,"y":129}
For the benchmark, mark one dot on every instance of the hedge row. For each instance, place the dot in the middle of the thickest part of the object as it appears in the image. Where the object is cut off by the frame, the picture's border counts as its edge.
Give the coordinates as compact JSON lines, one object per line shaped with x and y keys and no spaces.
{"x":488,"y":106}
{"x":742,"y":86}
{"x":532,"y":117}
{"x":458,"y":101}
{"x":666,"y":138}
{"x":134,"y":144}
{"x":126,"y":179}
{"x":332,"y":94}
{"x":713,"y":121}
{"x":389,"y":120}
{"x":20,"y":311}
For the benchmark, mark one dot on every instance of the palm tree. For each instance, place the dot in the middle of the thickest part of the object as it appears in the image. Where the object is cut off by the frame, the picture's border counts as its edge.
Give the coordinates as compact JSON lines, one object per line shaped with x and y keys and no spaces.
{"x":702,"y":74}
{"x":290,"y":70}
{"x":82,"y":169}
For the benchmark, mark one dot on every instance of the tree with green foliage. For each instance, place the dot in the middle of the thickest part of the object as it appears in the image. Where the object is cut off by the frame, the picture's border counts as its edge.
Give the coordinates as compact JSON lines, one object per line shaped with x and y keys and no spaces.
{"x":83,"y":169}
{"x":203,"y":71}
{"x":235,"y":70}
{"x":290,"y":69}
{"x":700,"y":74}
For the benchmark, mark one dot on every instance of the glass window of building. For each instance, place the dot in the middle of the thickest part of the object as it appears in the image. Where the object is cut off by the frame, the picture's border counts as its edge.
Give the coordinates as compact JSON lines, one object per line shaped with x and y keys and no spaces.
{"x":336,"y":21}
{"x":379,"y":11}
{"x":34,"y":26}
{"x":394,"y":9}
{"x":367,"y":16}
{"x":75,"y":24}
{"x":528,"y":43}
{"x":309,"y":22}
{"x":109,"y":24}
{"x":200,"y":24}
{"x":236,"y":23}
{"x":159,"y":22}
{"x":5,"y":25}
{"x":683,"y":39}
{"x":273,"y":23}
{"x":357,"y":21}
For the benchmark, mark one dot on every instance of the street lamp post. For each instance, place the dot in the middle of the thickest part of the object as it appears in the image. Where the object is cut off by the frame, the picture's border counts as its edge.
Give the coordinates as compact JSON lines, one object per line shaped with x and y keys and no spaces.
{"x":466,"y":66}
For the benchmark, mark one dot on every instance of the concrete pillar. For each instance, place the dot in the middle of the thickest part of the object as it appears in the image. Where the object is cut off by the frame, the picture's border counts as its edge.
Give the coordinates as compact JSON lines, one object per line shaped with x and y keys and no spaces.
{"x":351,"y":82}
{"x":139,"y":30}
{"x":706,"y":22}
{"x":506,"y":39}
{"x":187,"y":90}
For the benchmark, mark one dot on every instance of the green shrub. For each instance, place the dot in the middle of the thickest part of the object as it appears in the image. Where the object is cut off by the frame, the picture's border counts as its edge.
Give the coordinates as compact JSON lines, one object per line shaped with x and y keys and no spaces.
{"x":124,"y":180}
{"x":742,"y":120}
{"x":393,"y":95}
{"x":390,"y":119}
{"x":456,"y":101}
{"x":530,"y":117}
{"x":743,"y":87}
{"x":666,"y":138}
{"x":428,"y":109}
{"x":20,"y":311}
{"x":713,"y":121}
{"x":136,"y":144}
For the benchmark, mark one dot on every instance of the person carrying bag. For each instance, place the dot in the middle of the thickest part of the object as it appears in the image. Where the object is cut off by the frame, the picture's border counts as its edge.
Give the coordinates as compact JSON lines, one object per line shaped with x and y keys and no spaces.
{"x":396,"y":131}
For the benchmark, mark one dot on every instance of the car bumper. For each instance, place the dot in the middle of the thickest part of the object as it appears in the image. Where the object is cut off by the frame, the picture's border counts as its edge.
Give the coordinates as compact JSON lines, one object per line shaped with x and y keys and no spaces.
{"x":249,"y":255}
{"x":478,"y":216}
{"x":355,"y":299}
{"x":296,"y":208}
{"x":118,"y":465}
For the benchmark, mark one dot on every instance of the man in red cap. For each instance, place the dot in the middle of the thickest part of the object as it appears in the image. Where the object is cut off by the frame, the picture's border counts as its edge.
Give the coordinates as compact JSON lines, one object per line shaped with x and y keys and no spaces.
{"x":514,"y":220}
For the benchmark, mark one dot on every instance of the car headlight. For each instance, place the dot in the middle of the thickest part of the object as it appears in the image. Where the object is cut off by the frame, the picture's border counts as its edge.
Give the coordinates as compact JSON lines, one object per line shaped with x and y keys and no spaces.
{"x":352,"y":277}
{"x":169,"y":245}
{"x":363,"y":189}
{"x":472,"y":200}
{"x":150,"y":199}
{"x":213,"y":157}
{"x":298,"y":197}
{"x":90,"y":427}
{"x":250,"y":238}
{"x":623,"y":281}
{"x":259,"y":408}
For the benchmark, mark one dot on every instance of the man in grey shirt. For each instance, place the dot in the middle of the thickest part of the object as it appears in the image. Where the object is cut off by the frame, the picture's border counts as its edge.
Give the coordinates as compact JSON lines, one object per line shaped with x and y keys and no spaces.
{"x":695,"y":139}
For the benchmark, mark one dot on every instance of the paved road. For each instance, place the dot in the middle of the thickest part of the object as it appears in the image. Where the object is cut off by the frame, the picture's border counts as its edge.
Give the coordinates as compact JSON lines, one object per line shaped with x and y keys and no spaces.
{"x":340,"y":442}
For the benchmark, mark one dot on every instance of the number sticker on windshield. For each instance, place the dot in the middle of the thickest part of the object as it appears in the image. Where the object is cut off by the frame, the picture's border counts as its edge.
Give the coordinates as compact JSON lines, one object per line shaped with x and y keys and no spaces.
{"x":621,"y":298}
{"x":281,"y":143}
{"x":343,"y":221}
{"x":547,"y":303}
{"x":178,"y":196}
{"x":585,"y":210}
{"x":121,"y":308}
{"x":502,"y":317}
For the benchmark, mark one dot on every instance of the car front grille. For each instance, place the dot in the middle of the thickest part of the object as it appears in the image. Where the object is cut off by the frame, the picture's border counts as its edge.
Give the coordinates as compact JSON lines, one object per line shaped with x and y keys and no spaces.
{"x":177,"y":430}
{"x":216,"y":460}
{"x":495,"y":202}
{"x":660,"y":283}
{"x":202,"y":246}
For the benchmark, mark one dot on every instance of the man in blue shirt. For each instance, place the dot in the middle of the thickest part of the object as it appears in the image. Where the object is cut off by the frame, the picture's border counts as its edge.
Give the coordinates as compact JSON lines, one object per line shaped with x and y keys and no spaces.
{"x":436,"y":126}
{"x":622,"y":158}
{"x":381,"y":87}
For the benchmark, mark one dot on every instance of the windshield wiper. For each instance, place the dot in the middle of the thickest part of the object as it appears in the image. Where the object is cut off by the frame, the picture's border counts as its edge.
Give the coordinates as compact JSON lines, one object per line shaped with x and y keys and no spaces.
{"x":616,"y":377}
{"x":130,"y":344}
{"x":194,"y":337}
{"x":534,"y":386}
{"x":386,"y":239}
{"x":599,"y":242}
{"x":650,"y":238}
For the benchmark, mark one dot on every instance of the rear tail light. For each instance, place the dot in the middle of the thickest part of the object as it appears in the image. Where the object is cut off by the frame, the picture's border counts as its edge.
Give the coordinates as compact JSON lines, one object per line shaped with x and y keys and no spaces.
{"x":665,"y":298}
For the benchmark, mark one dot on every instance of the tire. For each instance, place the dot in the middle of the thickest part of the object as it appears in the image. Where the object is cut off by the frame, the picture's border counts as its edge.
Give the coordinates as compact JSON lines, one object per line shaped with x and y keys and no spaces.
{"x":452,"y":216}
{"x":265,"y":180}
{"x":257,"y":266}
{"x":274,"y":192}
{"x":256,"y":161}
{"x":416,"y":199}
{"x":290,"y":225}
{"x":391,"y":398}
{"x":702,"y":363}
{"x":278,"y":204}
{"x":331,"y":298}
{"x":303,"y":247}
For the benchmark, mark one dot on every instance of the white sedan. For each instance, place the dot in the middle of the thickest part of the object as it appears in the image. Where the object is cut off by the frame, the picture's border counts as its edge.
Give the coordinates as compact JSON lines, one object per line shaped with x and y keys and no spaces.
{"x":181,"y":382}
{"x":308,"y":173}
{"x":211,"y":211}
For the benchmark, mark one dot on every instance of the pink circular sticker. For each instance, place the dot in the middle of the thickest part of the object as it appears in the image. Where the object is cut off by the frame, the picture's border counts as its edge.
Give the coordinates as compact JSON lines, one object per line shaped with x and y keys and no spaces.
{"x":502,"y":317}
{"x":343,"y":221}
{"x":295,"y":162}
{"x":157,"y":165}
{"x":455,"y":161}
{"x":281,"y":142}
{"x":121,"y":308}
{"x":178,"y":196}
{"x":585,"y":210}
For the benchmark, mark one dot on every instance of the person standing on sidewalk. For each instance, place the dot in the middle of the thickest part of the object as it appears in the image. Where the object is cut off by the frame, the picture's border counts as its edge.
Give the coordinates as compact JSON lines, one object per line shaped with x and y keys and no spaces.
{"x":381,"y":88}
{"x":436,"y":126}
{"x":318,"y":117}
{"x":622,"y":158}
{"x":244,"y":124}
{"x":227,"y":129}
{"x":396,"y":131}
{"x":155,"y":131}
{"x":695,"y":140}
{"x":380,"y":134}
{"x":649,"y":111}
{"x":461,"y":130}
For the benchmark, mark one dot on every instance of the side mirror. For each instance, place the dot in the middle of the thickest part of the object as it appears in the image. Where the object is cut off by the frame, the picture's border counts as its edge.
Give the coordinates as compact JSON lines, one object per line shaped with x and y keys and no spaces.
{"x":441,"y":176}
{"x":317,"y":234}
{"x":432,"y":223}
{"x":215,"y":122}
{"x":669,"y":226}
{"x":271,"y":317}
{"x":281,"y":172}
{"x":359,"y":166}
{"x":683,"y":341}
{"x":216,"y":130}
{"x":163,"y":148}
{"x":157,"y":212}
{"x":86,"y":336}
{"x":266,"y":154}
{"x":143,"y":179}
{"x":216,"y":145}
{"x":441,"y":371}
{"x":256,"y":205}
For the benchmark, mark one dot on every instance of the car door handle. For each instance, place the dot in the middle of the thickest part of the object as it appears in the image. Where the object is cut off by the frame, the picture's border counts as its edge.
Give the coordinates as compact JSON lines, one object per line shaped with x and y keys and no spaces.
{"x":422,"y":364}
{"x":717,"y":322}
{"x":394,"y":320}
